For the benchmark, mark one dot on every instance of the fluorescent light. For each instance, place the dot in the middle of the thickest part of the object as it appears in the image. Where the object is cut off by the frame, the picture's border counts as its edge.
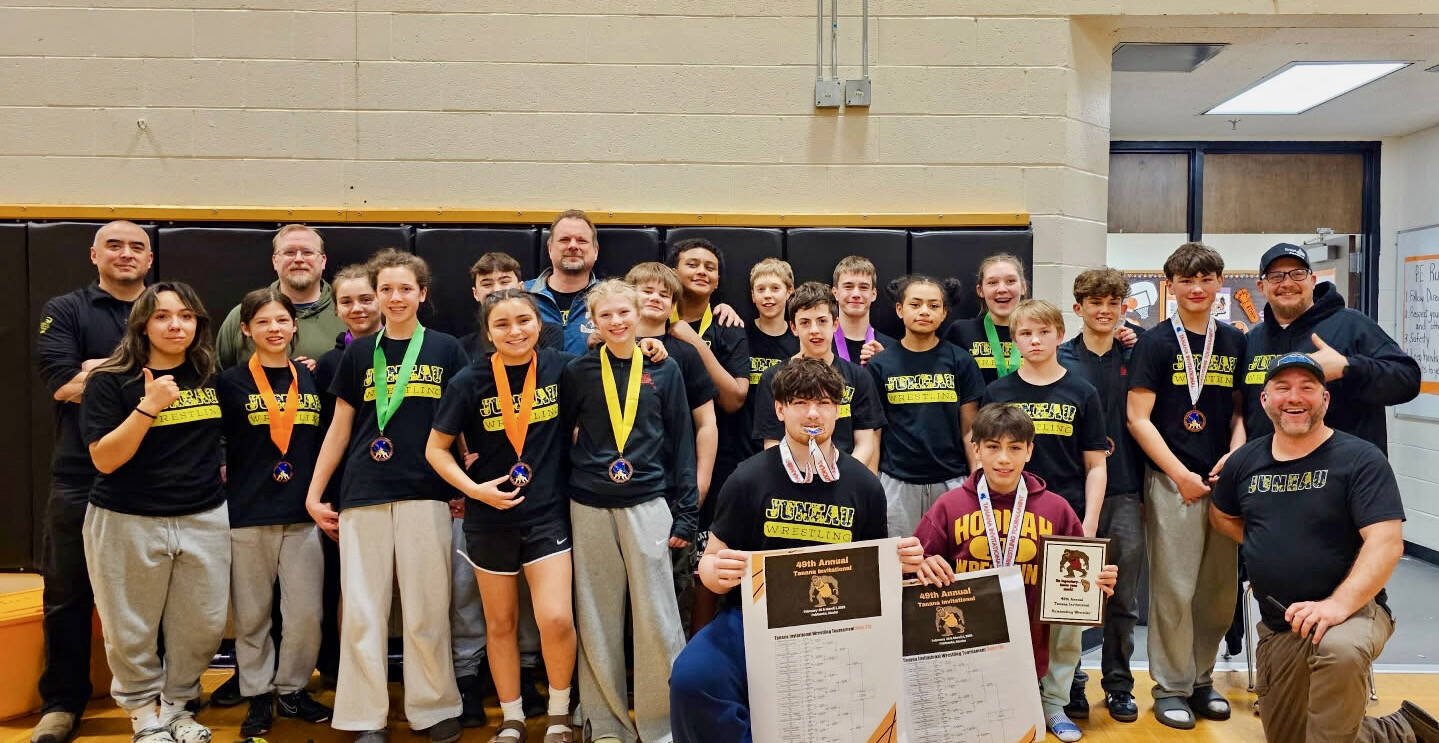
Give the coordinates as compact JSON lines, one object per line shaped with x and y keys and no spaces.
{"x":1300,"y":86}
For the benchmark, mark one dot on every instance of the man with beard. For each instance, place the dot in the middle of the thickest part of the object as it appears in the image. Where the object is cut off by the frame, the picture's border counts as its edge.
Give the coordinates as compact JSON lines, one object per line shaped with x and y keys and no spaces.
{"x":1364,"y":368}
{"x":560,"y":290}
{"x":1321,"y":523}
{"x":77,"y":332}
{"x":299,"y":260}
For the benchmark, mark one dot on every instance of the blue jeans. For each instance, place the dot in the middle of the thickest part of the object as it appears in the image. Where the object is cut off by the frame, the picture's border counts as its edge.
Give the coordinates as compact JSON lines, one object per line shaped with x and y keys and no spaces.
{"x":709,"y":688}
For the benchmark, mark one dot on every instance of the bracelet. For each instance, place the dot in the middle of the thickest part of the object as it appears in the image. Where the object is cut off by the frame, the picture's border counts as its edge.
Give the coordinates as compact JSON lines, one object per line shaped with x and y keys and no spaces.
{"x":141,"y":412}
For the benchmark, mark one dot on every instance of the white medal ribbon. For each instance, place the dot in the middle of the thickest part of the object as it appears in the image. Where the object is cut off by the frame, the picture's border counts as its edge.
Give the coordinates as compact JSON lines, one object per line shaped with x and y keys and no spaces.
{"x":828,"y":471}
{"x":1195,"y":381}
{"x":991,"y":529}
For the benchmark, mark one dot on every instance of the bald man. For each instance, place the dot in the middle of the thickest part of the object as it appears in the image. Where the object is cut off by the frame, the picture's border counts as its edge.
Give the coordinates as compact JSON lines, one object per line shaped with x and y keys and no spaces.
{"x":77,"y":331}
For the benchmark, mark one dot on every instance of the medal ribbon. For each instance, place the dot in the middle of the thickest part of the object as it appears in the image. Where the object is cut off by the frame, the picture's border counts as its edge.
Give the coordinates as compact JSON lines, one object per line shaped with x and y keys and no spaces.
{"x":705,"y":321}
{"x":385,"y":403}
{"x":516,"y":424}
{"x":828,"y":471}
{"x":1016,"y":522}
{"x":622,"y":420}
{"x":1002,"y":366}
{"x":842,"y":348}
{"x":282,"y":421}
{"x":1195,"y":381}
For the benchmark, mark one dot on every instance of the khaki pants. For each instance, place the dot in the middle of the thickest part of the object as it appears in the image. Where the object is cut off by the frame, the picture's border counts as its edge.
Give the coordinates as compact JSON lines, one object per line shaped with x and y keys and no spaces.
{"x":406,"y":542}
{"x":1317,"y":693}
{"x":1193,"y":577}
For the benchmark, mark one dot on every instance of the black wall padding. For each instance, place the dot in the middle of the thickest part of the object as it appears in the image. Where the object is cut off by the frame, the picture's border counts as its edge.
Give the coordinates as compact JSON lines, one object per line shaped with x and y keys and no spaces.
{"x":958,"y":253}
{"x":221,"y":263}
{"x":451,"y":251}
{"x":17,"y":538}
{"x":346,"y":244}
{"x":620,"y":249}
{"x":742,"y":247}
{"x":813,"y":251}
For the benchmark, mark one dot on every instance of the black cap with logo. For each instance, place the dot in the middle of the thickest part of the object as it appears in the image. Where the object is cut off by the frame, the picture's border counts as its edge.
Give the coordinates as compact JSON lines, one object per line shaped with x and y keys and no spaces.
{"x":1284,"y":250}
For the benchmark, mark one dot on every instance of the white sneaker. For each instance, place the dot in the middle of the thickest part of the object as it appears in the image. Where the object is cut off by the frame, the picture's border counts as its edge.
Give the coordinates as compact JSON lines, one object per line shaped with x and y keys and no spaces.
{"x":184,"y":729}
{"x":153,"y":735}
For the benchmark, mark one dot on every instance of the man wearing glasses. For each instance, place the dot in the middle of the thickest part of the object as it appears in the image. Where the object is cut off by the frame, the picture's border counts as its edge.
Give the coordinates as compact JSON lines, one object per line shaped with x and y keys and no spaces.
{"x":1364,"y":369}
{"x":299,"y":260}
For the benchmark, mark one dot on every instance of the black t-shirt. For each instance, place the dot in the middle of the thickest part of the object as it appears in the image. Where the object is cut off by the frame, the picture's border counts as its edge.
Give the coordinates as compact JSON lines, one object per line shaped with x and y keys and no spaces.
{"x":564,"y":300}
{"x":731,"y":347}
{"x":1302,"y":517}
{"x":406,"y":475}
{"x":854,"y":346}
{"x":922,"y":393}
{"x":254,"y":496}
{"x":1157,"y":366}
{"x":471,"y":407}
{"x":699,"y":388}
{"x":969,"y":334}
{"x":660,"y":447}
{"x":767,"y":351}
{"x":325,"y":369}
{"x":1068,"y":421}
{"x":760,"y":508}
{"x":859,"y":410}
{"x":1110,"y":376}
{"x":176,"y":470}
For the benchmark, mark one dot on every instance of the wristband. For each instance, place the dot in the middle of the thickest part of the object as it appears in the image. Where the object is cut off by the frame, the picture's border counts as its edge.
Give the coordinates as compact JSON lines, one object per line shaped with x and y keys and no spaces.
{"x":141,"y":412}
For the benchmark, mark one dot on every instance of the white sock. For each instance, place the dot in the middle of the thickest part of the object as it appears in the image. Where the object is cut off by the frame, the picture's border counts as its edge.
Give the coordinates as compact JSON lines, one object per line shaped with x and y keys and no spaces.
{"x":559,"y":701}
{"x":144,"y":717}
{"x":512,"y":710}
{"x":170,"y":710}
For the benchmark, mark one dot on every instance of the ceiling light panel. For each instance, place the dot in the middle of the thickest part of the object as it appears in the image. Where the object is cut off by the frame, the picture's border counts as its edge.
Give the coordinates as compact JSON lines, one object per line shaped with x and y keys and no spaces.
{"x":1300,"y":86}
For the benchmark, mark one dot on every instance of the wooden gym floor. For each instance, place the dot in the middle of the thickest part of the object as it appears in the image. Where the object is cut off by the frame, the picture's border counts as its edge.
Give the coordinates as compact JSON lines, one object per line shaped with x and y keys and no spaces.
{"x":104,"y":722}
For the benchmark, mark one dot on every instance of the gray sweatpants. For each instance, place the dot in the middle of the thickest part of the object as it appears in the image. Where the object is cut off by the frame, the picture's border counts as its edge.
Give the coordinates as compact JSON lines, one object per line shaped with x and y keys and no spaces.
{"x":406,"y":542}
{"x":907,"y":502}
{"x":150,"y":571}
{"x":259,"y":555}
{"x":1193,"y":576}
{"x":621,"y":551}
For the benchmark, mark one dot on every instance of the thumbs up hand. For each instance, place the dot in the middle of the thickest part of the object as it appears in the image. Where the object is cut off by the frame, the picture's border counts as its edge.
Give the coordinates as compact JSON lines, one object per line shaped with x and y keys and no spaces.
{"x":159,"y":392}
{"x":1334,"y":363}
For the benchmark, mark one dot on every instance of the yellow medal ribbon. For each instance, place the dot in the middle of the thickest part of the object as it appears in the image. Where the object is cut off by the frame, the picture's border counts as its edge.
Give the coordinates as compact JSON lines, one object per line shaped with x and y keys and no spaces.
{"x":705,"y":322}
{"x":622,"y":421}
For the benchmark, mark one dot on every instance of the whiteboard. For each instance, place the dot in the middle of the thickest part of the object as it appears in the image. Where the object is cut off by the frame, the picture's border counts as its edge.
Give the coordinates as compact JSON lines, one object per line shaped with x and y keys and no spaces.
{"x":1418,"y":314}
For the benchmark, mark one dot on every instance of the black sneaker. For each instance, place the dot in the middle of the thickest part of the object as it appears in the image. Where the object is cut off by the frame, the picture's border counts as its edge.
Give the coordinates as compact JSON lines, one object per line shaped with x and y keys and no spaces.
{"x":445,"y":731}
{"x":1078,"y":707}
{"x":300,"y":705}
{"x":228,"y":693}
{"x":1121,"y":706}
{"x":472,"y":702}
{"x":260,"y":717}
{"x":534,"y":703}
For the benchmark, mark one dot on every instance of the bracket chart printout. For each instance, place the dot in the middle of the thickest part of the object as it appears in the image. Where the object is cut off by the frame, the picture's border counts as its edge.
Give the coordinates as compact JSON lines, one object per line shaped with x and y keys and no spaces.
{"x":822,"y":641}
{"x":968,"y":661}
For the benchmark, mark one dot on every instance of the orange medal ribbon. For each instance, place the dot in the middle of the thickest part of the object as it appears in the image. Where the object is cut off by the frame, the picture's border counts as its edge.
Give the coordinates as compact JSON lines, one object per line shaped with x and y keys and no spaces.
{"x":516,"y":424}
{"x":282,"y":422}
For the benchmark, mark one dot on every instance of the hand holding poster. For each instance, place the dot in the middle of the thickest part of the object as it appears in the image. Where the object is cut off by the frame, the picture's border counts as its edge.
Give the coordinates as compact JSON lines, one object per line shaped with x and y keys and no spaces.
{"x":822,"y":643}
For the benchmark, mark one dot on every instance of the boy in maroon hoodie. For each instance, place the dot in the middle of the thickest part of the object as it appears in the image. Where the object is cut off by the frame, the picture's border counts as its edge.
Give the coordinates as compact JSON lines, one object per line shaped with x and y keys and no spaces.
{"x":955,"y":527}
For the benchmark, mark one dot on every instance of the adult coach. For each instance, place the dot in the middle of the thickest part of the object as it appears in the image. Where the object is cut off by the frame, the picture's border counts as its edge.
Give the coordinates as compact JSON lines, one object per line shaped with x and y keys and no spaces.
{"x":1309,"y":495}
{"x":299,"y":260}
{"x":1364,"y":369}
{"x":78,"y":331}
{"x":560,"y":290}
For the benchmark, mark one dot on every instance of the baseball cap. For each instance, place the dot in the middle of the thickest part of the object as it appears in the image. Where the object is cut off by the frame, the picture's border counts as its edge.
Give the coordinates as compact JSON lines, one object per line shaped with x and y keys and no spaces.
{"x":1294,"y":360}
{"x":1284,"y":250}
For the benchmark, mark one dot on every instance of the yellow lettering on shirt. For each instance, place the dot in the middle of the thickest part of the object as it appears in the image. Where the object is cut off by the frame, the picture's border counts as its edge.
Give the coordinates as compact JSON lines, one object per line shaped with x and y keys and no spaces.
{"x":308,"y":415}
{"x":1221,"y":370}
{"x":969,"y":533}
{"x":758,"y":366}
{"x":824,"y":523}
{"x":192,"y":405}
{"x":425,"y":381}
{"x":920,"y":388}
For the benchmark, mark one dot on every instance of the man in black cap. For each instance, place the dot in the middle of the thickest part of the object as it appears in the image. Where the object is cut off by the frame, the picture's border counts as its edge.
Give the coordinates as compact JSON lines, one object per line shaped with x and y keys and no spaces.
{"x":1364,"y":369}
{"x":1320,"y":519}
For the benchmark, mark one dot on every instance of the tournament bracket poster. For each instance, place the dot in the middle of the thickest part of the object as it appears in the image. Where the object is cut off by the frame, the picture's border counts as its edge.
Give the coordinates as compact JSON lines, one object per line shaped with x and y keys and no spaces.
{"x":968,"y":661}
{"x":822,"y":641}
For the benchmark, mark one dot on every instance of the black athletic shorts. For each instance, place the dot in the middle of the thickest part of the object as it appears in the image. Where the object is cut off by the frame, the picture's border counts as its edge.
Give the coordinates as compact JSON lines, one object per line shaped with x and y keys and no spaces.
{"x":503,"y":550}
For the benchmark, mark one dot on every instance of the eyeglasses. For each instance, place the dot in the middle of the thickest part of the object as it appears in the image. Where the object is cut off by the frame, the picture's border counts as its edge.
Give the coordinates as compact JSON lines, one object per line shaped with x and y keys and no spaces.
{"x":293,"y":253}
{"x":1298,"y":274}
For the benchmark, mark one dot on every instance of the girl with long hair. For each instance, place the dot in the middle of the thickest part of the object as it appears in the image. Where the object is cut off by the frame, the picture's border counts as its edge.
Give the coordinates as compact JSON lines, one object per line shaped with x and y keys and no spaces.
{"x":986,"y":338}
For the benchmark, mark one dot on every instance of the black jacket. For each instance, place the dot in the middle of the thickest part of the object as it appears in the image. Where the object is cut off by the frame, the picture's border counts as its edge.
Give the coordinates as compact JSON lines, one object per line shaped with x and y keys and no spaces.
{"x":1379,"y":373}
{"x":1110,"y":376}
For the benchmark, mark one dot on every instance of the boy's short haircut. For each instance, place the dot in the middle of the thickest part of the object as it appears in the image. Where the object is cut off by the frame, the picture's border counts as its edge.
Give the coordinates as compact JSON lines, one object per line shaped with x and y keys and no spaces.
{"x":1037,"y":310}
{"x":773,"y":267}
{"x":998,"y":421}
{"x":809,"y":295}
{"x":1100,"y":283}
{"x":654,"y":271}
{"x":672,"y":258}
{"x":610,"y":288}
{"x":576,"y":214}
{"x":494,"y":262}
{"x":807,"y":379}
{"x":1193,"y":259}
{"x":856,"y":264}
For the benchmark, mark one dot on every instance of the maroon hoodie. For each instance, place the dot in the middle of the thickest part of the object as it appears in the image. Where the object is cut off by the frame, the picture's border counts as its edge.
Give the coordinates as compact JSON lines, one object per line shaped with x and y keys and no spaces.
{"x":954,"y":528}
